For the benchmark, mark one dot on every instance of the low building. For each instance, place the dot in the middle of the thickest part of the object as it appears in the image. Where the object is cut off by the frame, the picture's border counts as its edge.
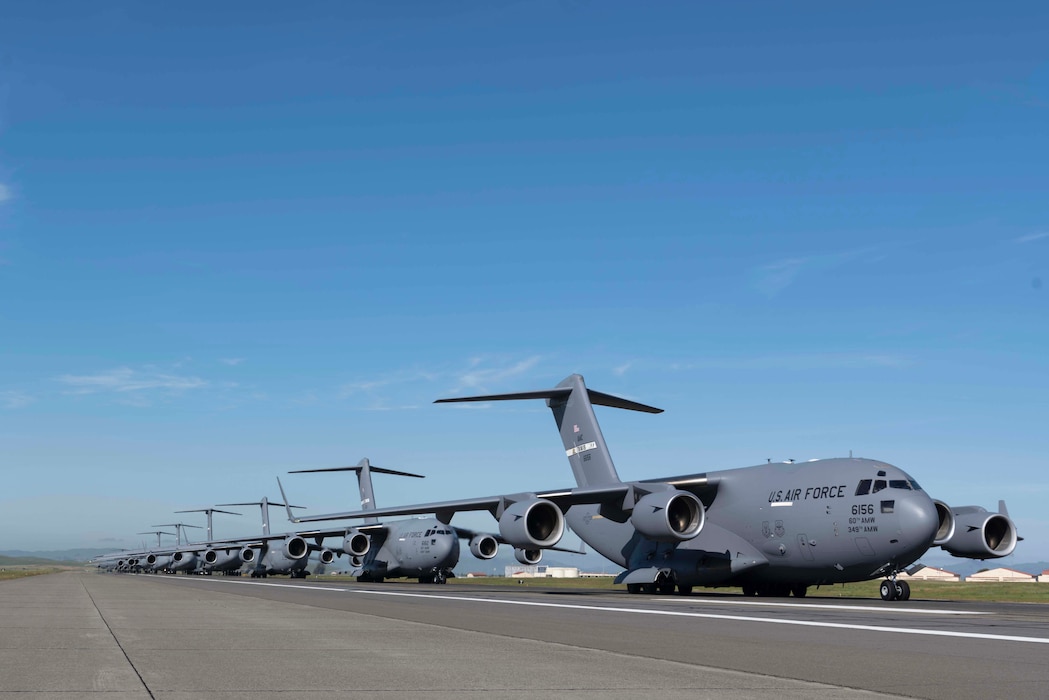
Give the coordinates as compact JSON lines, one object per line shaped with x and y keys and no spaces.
{"x":1001,"y":575}
{"x":1044,"y":577}
{"x":931,"y":573}
{"x":542,"y":571}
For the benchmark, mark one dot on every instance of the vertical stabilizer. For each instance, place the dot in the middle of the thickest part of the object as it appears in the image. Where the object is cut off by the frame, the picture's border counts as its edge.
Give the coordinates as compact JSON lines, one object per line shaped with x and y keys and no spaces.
{"x":573,"y":408}
{"x":364,"y":471}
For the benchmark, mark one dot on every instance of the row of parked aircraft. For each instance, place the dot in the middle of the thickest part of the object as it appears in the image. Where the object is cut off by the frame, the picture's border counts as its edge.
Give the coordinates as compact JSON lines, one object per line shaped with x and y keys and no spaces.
{"x":422,"y":548}
{"x":772,"y":529}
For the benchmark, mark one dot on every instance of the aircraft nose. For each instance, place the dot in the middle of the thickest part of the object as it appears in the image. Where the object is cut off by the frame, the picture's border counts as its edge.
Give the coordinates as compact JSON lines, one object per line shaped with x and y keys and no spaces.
{"x":918,"y":520}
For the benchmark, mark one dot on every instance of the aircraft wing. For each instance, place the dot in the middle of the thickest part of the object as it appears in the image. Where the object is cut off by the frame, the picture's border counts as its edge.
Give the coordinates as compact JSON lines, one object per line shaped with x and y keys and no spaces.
{"x":444,"y":510}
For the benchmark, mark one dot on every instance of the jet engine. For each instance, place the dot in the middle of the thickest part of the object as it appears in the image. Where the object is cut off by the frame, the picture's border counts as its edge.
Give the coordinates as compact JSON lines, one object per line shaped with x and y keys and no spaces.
{"x":326,"y":556}
{"x":356,"y":543}
{"x":979,"y":534}
{"x":247,"y":555}
{"x":484,"y":546}
{"x":528,"y":556}
{"x":945,"y":530}
{"x":295,"y":548}
{"x":669,"y":516}
{"x":532,"y":524}
{"x":356,"y":562}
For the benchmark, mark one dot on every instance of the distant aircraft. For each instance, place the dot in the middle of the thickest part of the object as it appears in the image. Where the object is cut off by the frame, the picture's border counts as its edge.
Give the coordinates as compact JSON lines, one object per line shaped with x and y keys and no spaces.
{"x":290,"y":557}
{"x":416,"y":548}
{"x":221,"y":556}
{"x":156,"y":560}
{"x":181,"y":558}
{"x":422,"y":548}
{"x":772,"y":529}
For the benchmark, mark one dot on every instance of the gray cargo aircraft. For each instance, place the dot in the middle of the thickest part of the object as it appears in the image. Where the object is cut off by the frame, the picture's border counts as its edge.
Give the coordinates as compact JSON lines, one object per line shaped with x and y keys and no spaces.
{"x":423,"y":548}
{"x":291,"y":557}
{"x":772,"y":529}
{"x":226,"y":557}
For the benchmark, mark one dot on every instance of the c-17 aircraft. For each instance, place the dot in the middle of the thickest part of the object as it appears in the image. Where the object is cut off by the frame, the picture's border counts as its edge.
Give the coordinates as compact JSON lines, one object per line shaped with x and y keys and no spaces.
{"x":772,"y":529}
{"x":422,"y":548}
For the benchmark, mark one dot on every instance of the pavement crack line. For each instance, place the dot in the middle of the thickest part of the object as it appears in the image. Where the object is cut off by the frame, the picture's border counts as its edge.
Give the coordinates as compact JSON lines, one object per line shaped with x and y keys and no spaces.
{"x":119,"y":645}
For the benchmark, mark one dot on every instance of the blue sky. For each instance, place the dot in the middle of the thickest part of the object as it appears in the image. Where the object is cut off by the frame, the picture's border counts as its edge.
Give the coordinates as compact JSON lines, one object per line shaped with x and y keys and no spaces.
{"x":244,"y":239}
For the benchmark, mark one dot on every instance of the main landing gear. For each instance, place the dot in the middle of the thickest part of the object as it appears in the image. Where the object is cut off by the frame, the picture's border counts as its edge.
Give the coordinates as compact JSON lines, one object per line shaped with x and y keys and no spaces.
{"x":892,"y":589}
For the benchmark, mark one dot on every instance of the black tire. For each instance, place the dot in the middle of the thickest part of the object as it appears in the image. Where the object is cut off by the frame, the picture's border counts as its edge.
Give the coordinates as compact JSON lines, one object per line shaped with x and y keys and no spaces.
{"x":799,"y":590}
{"x":749,"y":590}
{"x":887,"y":590}
{"x":633,"y":588}
{"x":682,"y":589}
{"x":903,"y":590}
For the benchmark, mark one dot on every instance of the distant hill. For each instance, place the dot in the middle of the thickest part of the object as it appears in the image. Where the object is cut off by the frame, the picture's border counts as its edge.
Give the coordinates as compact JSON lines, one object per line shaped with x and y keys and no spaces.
{"x":64,"y":555}
{"x":33,"y":561}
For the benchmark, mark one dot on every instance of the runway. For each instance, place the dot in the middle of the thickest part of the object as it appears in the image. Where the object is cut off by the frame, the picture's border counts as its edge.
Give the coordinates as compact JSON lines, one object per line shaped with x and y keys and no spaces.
{"x":188,"y":636}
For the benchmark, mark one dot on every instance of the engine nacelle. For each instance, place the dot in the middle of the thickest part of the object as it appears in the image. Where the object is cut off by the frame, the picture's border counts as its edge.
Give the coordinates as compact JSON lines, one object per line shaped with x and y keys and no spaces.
{"x":945,"y":530}
{"x":247,"y":555}
{"x":528,"y":556}
{"x":356,"y":562}
{"x":295,"y":548}
{"x":669,"y":516}
{"x":184,"y":561}
{"x":484,"y":546}
{"x":979,"y":534}
{"x":210,"y":557}
{"x":326,"y":556}
{"x":356,"y":543}
{"x":532,"y":524}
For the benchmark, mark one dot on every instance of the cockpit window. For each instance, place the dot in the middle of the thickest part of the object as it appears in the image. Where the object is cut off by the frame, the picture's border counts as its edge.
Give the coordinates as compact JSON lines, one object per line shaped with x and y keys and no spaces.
{"x":864,"y":488}
{"x":879,"y":485}
{"x":900,"y":484}
{"x":914,"y":485}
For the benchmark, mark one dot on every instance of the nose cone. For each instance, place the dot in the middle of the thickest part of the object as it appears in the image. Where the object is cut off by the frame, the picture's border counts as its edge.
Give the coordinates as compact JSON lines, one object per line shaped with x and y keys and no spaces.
{"x":918,"y":522}
{"x":446,"y":551}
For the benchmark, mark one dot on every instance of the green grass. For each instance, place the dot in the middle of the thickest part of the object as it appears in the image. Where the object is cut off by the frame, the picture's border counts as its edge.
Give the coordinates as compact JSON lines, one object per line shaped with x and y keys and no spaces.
{"x":920,"y":590}
{"x":23,"y":571}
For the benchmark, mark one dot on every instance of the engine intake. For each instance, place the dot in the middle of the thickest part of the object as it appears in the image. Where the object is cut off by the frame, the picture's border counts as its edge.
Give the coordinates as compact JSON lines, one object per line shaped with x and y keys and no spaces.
{"x":669,"y":516}
{"x":532,"y":524}
{"x":326,"y":556}
{"x":295,"y":547}
{"x":484,"y":546}
{"x":528,"y":556}
{"x":979,"y":534}
{"x":945,"y":530}
{"x":356,"y":543}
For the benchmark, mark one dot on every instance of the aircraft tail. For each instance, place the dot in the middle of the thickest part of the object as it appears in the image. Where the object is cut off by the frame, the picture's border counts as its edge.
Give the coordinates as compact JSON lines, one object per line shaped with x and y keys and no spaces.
{"x":364,"y":471}
{"x":573,"y":408}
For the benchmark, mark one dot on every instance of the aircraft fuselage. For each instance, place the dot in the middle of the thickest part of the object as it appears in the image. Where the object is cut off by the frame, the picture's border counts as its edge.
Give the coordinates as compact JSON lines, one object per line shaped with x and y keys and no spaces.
{"x":818,"y":522}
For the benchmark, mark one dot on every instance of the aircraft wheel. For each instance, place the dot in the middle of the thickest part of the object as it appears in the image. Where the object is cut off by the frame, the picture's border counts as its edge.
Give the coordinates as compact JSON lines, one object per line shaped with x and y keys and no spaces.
{"x":903,"y":590}
{"x":887,"y":590}
{"x":665,"y":587}
{"x":633,"y":588}
{"x":749,"y":590}
{"x":682,"y":589}
{"x":799,"y":590}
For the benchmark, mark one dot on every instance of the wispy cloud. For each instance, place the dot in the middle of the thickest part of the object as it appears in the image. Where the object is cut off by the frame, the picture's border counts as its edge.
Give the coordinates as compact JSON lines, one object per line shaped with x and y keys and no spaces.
{"x":478,"y":377}
{"x":1031,"y":237}
{"x":365,"y":386}
{"x":5,"y":193}
{"x":231,"y":361}
{"x":14,"y":399}
{"x":124,"y":380}
{"x":774,"y":277}
{"x":622,"y":369}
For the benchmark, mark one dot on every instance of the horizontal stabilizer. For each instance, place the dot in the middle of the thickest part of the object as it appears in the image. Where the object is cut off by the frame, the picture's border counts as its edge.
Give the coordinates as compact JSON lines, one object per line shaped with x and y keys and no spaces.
{"x":596,"y":397}
{"x":374,"y":470}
